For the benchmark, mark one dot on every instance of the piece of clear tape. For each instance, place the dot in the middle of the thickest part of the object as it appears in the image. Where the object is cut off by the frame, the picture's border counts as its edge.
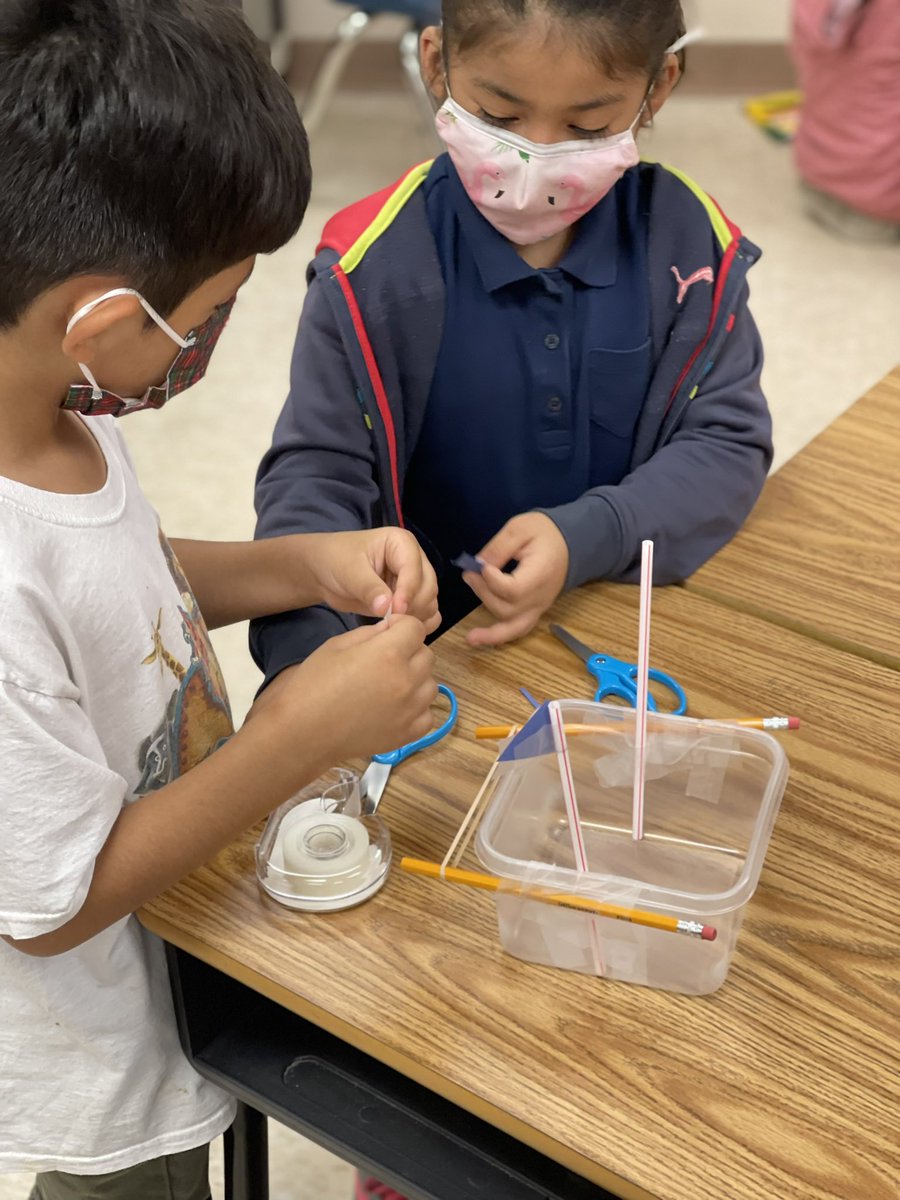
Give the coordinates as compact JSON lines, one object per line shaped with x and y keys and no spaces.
{"x":539,"y":924}
{"x":705,"y":763}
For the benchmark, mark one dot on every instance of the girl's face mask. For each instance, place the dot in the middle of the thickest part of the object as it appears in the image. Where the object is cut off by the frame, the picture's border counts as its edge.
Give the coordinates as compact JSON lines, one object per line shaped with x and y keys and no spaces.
{"x":528,"y":191}
{"x":188,"y":368}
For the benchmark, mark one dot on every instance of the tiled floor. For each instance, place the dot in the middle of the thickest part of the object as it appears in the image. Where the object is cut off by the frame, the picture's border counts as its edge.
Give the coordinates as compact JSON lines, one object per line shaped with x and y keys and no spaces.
{"x":829,"y":314}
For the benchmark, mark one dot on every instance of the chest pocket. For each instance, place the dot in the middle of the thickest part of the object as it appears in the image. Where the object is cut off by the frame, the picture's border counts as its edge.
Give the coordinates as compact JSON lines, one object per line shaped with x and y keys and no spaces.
{"x":617,"y":386}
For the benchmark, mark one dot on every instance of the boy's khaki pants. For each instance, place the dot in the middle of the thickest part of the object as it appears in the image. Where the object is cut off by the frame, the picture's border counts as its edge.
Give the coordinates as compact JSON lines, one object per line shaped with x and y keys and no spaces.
{"x":174,"y":1177}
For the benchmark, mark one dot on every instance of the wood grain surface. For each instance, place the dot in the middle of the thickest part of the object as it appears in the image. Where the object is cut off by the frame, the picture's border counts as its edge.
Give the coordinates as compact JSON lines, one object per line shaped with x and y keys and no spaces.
{"x":820,"y":552}
{"x":784,"y":1085}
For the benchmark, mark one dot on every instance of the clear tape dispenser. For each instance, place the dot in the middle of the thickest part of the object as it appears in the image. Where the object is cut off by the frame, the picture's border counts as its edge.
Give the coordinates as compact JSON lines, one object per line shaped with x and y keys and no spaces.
{"x":319,"y":853}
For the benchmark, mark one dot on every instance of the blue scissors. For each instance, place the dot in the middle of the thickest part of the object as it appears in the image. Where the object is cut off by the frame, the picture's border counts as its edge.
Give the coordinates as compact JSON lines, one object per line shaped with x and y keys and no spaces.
{"x":375,"y":777}
{"x":617,"y":678}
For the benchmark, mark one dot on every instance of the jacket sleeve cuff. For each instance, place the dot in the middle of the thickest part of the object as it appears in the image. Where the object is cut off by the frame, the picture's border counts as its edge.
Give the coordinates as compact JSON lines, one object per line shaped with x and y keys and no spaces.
{"x":289,"y":638}
{"x":593,"y":532}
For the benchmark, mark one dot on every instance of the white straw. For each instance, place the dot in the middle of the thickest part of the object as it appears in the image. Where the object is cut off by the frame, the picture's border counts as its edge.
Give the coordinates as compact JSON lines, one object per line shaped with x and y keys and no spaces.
{"x":574,"y":817}
{"x":640,"y":719}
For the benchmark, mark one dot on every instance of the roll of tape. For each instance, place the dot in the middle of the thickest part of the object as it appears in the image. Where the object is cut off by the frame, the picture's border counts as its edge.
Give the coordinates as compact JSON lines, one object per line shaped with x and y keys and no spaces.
{"x":327,"y":847}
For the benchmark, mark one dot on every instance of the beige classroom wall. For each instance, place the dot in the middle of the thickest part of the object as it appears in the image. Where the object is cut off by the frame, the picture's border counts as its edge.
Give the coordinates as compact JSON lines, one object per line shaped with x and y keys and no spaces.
{"x":723,"y":20}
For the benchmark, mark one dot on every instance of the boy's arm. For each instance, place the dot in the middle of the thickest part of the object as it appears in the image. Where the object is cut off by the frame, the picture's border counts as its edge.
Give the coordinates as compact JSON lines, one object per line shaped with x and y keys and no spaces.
{"x":318,"y":475}
{"x":365,"y":572}
{"x":74,"y":860}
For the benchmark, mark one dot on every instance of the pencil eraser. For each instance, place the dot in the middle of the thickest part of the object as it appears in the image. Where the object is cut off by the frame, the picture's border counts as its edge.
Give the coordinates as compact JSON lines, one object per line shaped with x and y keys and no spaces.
{"x":468,"y":562}
{"x":793,"y":722}
{"x":709,"y":934}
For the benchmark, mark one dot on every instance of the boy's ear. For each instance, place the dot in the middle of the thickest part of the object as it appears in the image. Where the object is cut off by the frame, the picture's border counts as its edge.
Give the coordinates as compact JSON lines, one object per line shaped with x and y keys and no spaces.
{"x":83,"y":340}
{"x":663,"y":86}
{"x":431,"y":56}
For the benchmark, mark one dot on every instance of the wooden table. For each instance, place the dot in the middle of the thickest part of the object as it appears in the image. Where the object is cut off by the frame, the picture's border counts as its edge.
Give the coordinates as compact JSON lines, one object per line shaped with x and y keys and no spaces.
{"x":821,"y":552}
{"x":785,"y":1084}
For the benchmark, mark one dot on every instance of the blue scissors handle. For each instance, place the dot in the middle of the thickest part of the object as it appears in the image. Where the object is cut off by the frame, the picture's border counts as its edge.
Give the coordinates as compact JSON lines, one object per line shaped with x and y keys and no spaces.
{"x":398,"y":756}
{"x":617,"y":678}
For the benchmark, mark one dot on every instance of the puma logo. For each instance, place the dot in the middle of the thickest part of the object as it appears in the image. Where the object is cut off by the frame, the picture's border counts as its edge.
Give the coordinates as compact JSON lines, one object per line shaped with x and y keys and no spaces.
{"x":704,"y":275}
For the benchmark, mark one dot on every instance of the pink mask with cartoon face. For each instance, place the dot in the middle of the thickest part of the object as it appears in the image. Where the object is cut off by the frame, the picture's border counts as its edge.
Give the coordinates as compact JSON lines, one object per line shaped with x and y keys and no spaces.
{"x":528,"y":191}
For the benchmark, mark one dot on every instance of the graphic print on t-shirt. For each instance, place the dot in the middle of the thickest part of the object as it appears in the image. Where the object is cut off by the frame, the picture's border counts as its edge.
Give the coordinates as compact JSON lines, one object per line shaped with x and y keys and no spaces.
{"x":198,"y":716}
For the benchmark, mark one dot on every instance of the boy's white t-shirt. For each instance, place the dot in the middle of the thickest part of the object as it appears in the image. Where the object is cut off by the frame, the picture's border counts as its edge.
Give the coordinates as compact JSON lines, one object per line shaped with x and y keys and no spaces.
{"x":109,"y":689}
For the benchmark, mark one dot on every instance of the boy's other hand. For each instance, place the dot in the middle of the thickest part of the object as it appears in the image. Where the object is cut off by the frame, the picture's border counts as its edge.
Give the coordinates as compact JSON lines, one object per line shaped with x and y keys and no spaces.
{"x":521,"y":598}
{"x":374,"y":571}
{"x":372,"y":690}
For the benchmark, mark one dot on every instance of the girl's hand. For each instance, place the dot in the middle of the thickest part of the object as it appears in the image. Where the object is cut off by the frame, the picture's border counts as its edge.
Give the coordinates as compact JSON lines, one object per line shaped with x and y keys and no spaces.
{"x":373,"y":571}
{"x":520,"y":599}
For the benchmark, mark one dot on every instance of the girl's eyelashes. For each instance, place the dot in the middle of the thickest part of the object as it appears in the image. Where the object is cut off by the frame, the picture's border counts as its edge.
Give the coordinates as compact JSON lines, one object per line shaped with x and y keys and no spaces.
{"x":505,"y":122}
{"x":492,"y":120}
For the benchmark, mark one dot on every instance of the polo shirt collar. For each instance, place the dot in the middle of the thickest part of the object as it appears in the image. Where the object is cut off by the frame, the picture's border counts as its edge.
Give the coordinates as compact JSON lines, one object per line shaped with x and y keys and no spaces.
{"x":592,"y":258}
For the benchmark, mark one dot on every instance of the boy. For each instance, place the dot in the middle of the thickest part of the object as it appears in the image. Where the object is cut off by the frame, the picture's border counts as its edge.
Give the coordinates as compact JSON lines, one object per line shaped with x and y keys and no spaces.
{"x":147,"y":153}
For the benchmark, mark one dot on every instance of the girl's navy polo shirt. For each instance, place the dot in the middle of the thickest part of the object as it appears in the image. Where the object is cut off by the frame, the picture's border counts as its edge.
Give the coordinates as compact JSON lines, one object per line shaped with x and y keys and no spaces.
{"x":540,"y":378}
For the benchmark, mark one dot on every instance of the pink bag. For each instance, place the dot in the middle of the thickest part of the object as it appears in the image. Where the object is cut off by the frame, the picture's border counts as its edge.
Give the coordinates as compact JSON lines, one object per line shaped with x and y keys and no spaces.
{"x":847,"y":54}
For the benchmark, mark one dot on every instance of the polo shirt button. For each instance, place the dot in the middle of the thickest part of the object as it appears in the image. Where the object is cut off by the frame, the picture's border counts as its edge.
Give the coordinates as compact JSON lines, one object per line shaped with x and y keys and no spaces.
{"x":551,"y":341}
{"x":554,"y":404}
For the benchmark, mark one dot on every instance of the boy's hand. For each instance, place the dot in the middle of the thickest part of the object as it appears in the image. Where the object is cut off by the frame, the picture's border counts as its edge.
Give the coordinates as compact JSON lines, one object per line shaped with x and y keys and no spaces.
{"x":372,"y":690}
{"x":374,"y":570}
{"x":520,"y":599}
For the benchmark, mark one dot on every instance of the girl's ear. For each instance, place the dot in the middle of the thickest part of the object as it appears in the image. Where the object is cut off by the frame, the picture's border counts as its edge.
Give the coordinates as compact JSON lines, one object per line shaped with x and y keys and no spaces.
{"x":663,"y":87}
{"x":431,"y":54}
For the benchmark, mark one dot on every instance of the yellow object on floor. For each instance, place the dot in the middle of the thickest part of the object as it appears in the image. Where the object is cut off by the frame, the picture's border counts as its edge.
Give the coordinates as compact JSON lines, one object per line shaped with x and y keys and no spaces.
{"x":777,"y":113}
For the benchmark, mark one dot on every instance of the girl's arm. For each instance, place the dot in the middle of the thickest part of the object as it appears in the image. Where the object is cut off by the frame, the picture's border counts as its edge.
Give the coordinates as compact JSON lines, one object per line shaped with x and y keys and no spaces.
{"x":319,"y":475}
{"x":692,"y":495}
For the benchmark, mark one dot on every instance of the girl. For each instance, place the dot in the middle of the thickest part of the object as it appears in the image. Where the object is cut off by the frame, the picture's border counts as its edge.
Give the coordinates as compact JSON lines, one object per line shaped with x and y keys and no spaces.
{"x":536,"y":347}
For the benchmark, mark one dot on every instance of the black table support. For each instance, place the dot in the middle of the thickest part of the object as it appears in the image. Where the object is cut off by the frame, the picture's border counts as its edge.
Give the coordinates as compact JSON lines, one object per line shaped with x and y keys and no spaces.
{"x":279,"y":1065}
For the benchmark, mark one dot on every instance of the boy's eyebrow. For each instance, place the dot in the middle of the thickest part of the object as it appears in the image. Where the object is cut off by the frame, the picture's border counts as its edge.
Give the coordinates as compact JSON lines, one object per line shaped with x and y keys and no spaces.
{"x":503,"y":94}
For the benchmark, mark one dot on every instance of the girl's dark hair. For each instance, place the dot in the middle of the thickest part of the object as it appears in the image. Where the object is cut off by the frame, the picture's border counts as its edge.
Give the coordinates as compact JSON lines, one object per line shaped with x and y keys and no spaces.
{"x":624,"y":36}
{"x":149,"y":139}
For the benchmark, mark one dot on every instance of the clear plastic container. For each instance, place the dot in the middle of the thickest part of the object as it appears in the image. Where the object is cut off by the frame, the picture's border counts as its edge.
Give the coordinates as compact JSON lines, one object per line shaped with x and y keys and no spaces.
{"x":712,"y":794}
{"x":319,"y":853}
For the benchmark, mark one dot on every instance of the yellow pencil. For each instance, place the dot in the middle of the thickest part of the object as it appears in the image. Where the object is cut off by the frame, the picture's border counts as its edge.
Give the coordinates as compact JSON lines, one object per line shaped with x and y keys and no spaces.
{"x":496,"y":733}
{"x":490,"y":883}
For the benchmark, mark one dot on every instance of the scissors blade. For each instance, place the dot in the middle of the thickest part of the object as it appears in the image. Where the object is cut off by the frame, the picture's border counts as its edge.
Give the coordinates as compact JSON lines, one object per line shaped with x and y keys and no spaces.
{"x":585,"y":653}
{"x":372,"y":785}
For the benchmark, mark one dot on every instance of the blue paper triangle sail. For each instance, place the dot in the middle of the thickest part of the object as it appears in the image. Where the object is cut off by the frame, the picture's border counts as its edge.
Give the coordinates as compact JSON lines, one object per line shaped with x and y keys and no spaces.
{"x":533,"y":740}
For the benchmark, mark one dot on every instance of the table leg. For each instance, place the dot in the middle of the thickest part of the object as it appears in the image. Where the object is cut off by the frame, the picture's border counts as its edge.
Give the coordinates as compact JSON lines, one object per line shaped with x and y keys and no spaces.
{"x":247,"y":1156}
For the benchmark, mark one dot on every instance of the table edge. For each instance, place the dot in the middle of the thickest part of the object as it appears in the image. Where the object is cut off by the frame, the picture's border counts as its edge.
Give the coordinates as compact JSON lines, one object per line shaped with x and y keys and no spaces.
{"x":370,"y":1045}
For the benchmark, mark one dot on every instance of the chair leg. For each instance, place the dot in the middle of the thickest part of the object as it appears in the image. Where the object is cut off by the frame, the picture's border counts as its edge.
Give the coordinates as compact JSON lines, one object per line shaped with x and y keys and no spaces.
{"x":409,"y":57}
{"x":247,"y":1156}
{"x":328,"y":76}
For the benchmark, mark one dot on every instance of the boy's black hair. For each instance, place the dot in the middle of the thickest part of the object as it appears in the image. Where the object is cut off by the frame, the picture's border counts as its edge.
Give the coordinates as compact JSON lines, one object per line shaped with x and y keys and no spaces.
{"x":622,"y":35}
{"x":147,"y":139}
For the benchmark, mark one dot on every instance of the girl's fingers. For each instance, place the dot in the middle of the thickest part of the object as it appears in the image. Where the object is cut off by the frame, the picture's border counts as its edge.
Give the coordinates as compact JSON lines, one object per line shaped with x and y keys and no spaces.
{"x":503,"y":631}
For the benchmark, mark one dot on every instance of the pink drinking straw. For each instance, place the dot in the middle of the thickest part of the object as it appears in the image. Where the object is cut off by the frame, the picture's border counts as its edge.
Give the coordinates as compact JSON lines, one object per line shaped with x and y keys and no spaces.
{"x":643,"y":666}
{"x":573,"y":816}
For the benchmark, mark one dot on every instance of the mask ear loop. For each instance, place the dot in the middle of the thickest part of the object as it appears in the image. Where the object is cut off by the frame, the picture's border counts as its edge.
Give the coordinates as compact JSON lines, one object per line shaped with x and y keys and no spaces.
{"x":183,"y":343}
{"x":687,"y":39}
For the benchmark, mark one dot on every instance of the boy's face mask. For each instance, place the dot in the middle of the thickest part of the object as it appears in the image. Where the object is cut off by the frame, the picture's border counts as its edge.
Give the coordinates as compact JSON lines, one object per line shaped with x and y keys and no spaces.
{"x":188,"y":368}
